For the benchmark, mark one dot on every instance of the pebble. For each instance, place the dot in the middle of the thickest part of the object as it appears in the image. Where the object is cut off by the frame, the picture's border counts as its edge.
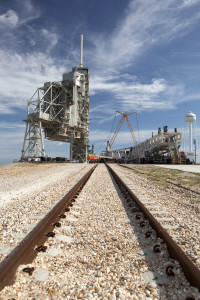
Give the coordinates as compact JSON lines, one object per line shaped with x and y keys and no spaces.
{"x":101,"y":261}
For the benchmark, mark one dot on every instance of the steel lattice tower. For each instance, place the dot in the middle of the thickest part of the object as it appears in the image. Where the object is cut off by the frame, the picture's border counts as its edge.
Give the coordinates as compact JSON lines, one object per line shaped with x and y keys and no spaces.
{"x":61,"y":110}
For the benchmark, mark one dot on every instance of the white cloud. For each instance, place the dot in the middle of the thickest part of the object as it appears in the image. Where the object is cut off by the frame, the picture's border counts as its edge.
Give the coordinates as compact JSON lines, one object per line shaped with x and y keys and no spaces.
{"x":52,"y":38}
{"x":20,"y":75}
{"x":15,"y":30}
{"x":134,"y":87}
{"x":10,"y":18}
{"x":188,"y":3}
{"x":103,"y":119}
{"x":144,"y":24}
{"x":11,"y":140}
{"x":123,"y":137}
{"x":27,"y":11}
{"x":5,"y":110}
{"x":15,"y":126}
{"x":104,"y":108}
{"x":131,"y":94}
{"x":98,"y":135}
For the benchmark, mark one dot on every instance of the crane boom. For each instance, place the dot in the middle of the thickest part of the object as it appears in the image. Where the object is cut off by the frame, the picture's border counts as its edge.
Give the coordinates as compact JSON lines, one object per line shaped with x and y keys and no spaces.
{"x":120,"y":125}
{"x":131,"y":130}
{"x":116,"y":131}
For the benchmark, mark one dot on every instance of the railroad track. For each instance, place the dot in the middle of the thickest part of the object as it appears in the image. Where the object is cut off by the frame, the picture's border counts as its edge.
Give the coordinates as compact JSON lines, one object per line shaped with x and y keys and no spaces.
{"x":194,"y":205}
{"x":183,"y":187}
{"x":33,"y":243}
{"x":148,"y":234}
{"x":170,"y":182}
{"x":149,"y":223}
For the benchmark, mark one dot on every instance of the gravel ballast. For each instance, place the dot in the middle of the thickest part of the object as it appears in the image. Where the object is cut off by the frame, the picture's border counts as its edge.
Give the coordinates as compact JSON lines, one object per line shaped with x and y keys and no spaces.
{"x":99,"y":251}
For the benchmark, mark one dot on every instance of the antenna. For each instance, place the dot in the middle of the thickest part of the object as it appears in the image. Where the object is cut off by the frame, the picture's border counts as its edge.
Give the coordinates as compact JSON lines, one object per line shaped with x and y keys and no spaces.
{"x":81,"y":52}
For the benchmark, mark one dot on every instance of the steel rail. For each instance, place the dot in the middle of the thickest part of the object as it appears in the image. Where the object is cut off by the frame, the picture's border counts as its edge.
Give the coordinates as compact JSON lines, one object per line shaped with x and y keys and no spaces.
{"x":176,"y":184}
{"x":182,"y":187}
{"x":191,"y":272}
{"x":26,"y":251}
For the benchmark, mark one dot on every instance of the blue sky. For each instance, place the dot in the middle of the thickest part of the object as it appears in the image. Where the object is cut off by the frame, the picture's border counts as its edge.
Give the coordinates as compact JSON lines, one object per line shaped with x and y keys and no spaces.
{"x":143,"y":56}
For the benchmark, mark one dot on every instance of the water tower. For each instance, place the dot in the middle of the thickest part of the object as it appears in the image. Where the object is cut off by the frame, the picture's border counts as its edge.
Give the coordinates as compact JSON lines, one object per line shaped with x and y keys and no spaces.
{"x":190,"y":118}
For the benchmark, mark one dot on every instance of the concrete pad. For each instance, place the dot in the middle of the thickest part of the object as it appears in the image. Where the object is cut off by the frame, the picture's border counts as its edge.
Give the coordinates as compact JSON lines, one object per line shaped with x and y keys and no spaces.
{"x":67,"y":228}
{"x":168,"y":219}
{"x":185,"y":168}
{"x":77,"y":207}
{"x":82,"y":197}
{"x":71,"y":219}
{"x":167,"y":226}
{"x":53,"y":252}
{"x":149,"y":206}
{"x":64,"y":238}
{"x":158,"y":212}
{"x":131,"y":186}
{"x":139,"y":194}
{"x":76,"y":213}
{"x":41,"y":275}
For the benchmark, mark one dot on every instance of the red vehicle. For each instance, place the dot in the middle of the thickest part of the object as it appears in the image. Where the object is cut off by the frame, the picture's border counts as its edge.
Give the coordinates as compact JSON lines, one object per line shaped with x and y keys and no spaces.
{"x":93,"y":158}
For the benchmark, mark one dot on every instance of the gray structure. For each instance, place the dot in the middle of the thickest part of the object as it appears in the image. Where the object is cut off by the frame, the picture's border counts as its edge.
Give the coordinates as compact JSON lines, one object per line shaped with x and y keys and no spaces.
{"x":161,"y":147}
{"x":61,"y":109}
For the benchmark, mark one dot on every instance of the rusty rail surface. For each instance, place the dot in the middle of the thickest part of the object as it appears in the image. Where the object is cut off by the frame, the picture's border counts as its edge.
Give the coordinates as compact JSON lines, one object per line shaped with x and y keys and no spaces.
{"x":191,"y":272}
{"x":26,"y":251}
{"x":176,"y":184}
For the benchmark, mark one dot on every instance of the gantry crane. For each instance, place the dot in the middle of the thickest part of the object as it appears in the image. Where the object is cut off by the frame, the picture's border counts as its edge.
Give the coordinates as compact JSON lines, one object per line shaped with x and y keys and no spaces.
{"x":125,"y":116}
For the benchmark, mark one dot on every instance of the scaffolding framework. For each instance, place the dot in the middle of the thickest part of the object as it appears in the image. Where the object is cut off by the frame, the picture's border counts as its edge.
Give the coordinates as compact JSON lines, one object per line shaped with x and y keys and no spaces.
{"x":33,"y":146}
{"x":60,"y":110}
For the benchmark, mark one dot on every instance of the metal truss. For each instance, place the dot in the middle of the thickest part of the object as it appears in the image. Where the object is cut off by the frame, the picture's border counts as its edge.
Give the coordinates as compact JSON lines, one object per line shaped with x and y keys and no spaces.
{"x":60,"y":109}
{"x":78,"y":151}
{"x":33,"y":146}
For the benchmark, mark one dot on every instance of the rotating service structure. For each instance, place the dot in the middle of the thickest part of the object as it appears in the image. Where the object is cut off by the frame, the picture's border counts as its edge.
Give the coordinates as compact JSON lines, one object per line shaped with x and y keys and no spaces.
{"x":61,"y":110}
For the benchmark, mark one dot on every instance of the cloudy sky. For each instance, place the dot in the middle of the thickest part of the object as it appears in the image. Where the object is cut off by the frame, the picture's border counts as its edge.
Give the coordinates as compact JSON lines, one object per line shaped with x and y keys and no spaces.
{"x":143,"y":56}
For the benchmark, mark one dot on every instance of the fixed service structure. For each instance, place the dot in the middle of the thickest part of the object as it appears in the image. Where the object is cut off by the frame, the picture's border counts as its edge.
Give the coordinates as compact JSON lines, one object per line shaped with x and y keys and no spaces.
{"x":61,"y":111}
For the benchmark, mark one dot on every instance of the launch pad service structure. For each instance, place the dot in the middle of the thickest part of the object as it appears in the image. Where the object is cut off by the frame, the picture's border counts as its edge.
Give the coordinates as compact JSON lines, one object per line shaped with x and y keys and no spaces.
{"x":61,"y":111}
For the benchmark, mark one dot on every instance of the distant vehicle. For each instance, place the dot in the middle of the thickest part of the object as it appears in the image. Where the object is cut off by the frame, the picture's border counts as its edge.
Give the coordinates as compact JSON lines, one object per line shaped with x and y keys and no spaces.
{"x":93,"y":158}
